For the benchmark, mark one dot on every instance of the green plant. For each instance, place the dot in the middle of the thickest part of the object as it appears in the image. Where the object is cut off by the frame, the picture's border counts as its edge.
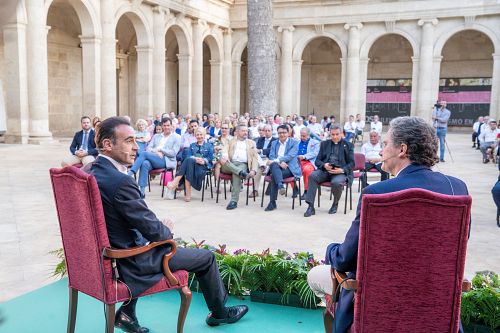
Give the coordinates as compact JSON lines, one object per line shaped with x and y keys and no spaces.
{"x":60,"y":269}
{"x":482,"y":304}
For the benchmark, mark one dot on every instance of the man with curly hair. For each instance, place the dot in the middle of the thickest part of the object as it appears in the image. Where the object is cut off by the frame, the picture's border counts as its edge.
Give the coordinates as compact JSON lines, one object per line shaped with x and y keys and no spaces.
{"x":410,"y":150}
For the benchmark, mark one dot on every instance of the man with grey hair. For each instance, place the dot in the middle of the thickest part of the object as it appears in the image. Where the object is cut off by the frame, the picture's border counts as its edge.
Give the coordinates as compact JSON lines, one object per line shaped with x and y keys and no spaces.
{"x":307,"y":153}
{"x":410,"y":150}
{"x":299,"y":125}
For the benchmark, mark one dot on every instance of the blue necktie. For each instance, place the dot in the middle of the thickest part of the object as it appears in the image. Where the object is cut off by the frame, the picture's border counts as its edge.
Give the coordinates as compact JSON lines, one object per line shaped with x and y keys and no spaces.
{"x":84,"y":141}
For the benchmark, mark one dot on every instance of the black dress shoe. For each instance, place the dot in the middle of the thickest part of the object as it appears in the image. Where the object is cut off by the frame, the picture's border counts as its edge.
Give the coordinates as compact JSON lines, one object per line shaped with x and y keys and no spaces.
{"x":333,"y":209}
{"x":232,"y":205}
{"x":310,"y":211}
{"x":234,"y":314}
{"x":271,"y":206}
{"x":128,"y":324}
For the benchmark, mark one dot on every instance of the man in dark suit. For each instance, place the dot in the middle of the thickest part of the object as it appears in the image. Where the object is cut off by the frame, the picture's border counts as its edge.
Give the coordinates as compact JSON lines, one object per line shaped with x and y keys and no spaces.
{"x":263,"y":143}
{"x":335,"y":162}
{"x":130,"y":223}
{"x":410,"y":150}
{"x":82,"y":147}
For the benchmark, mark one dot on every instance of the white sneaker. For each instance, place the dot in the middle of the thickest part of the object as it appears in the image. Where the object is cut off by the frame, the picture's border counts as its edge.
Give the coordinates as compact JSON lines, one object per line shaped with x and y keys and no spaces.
{"x":169,"y":194}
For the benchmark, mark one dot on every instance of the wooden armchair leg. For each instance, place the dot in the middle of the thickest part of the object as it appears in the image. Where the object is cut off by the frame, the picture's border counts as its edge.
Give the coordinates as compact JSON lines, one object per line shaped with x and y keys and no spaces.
{"x":328,"y":321}
{"x":110,"y":318}
{"x":73,"y":304}
{"x":186,"y":296}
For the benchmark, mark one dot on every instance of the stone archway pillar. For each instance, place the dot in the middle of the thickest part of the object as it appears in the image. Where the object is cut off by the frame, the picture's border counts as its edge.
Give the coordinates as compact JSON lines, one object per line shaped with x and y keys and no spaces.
{"x":363,"y":78}
{"x":297,"y":89}
{"x":236,"y":86}
{"x":215,"y":86}
{"x":15,"y":84}
{"x":227,"y":73}
{"x":425,"y":92}
{"x":38,"y":84}
{"x":159,"y":62}
{"x":185,"y":83}
{"x":197,"y":104}
{"x":286,"y":72}
{"x":91,"y":75}
{"x":341,"y":113}
{"x":108,"y":60}
{"x":144,"y":80}
{"x":352,"y":77}
{"x":495,"y":88}
{"x":414,"y":85}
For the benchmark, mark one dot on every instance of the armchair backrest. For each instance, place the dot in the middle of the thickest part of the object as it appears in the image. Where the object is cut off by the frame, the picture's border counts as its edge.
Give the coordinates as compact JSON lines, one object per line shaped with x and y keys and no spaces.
{"x":83,"y":230}
{"x":411,"y":258}
{"x":359,"y":161}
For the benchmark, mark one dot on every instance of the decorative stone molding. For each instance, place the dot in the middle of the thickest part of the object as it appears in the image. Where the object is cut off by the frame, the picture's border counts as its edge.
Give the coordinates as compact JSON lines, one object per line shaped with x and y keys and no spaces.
{"x":228,"y":31}
{"x":298,"y":62}
{"x":349,"y":26}
{"x":184,"y":57}
{"x":290,"y":28}
{"x":433,"y":21}
{"x":215,"y":63}
{"x":469,"y":20}
{"x":437,"y":58}
{"x":320,"y":28}
{"x":390,"y":26}
{"x":496,"y":56}
{"x":136,"y":3}
{"x":89,"y":39}
{"x":145,"y":49}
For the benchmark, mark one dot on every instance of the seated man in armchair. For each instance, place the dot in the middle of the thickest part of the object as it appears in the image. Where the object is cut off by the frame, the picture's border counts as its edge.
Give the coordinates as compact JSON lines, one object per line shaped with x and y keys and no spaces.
{"x":131,"y":223}
{"x":410,"y":150}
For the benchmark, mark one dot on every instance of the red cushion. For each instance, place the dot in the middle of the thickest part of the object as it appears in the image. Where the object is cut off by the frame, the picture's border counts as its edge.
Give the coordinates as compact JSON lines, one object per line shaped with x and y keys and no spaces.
{"x":156,"y":171}
{"x":285,"y":180}
{"x":225,"y":176}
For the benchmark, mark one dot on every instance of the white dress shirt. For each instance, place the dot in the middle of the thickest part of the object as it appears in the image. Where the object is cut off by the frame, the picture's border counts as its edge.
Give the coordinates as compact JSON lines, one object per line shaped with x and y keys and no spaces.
{"x":370,"y":151}
{"x":120,"y":167}
{"x":376,"y":127}
{"x":488,"y":135}
{"x":281,"y":149}
{"x":240,"y":152}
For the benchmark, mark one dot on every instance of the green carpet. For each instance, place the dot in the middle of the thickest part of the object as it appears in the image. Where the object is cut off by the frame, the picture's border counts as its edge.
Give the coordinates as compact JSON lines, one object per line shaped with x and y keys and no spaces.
{"x":45,"y":310}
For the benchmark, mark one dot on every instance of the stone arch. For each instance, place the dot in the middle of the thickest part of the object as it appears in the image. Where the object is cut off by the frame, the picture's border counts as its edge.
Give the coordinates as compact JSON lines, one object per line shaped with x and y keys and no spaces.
{"x":305,"y":39}
{"x":182,"y":35}
{"x":214,"y":45}
{"x":86,"y":14}
{"x":139,"y":22}
{"x":372,"y":38}
{"x":444,"y":37}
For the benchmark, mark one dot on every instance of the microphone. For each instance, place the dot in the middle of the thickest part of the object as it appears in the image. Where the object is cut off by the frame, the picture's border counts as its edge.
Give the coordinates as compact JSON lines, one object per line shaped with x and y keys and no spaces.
{"x":388,"y":158}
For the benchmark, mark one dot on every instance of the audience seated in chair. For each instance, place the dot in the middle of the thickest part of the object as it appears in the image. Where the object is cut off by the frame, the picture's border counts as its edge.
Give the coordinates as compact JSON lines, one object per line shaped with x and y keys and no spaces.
{"x":83,"y":149}
{"x":350,"y":128}
{"x":335,"y":163}
{"x":282,"y":164}
{"x":488,"y":140}
{"x":220,"y":143}
{"x":263,"y":145}
{"x":376,"y":125}
{"x":160,"y":153}
{"x":194,"y":167}
{"x":130,"y":223}
{"x":240,"y":159}
{"x":307,"y":152}
{"x":187,"y":139}
{"x":410,"y":150}
{"x":142,"y":136}
{"x":371,"y":150}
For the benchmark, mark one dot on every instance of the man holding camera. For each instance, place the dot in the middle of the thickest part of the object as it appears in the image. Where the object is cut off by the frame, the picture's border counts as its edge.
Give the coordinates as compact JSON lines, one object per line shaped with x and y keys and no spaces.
{"x":335,"y":162}
{"x":440,"y":117}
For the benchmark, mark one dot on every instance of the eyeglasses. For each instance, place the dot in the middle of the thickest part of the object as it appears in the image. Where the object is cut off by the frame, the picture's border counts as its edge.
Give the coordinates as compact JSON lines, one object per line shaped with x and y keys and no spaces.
{"x":282,"y":132}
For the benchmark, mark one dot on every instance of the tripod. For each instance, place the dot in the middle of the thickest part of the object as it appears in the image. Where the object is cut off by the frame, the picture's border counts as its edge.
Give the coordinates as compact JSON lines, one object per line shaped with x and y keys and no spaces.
{"x":449,"y":150}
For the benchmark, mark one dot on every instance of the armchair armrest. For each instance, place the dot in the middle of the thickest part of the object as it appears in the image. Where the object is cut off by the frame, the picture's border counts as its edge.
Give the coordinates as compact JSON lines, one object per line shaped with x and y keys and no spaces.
{"x":126,"y":253}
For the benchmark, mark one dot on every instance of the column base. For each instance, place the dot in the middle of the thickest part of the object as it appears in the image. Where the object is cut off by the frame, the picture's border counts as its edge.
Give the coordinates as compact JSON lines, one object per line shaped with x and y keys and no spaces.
{"x":14,"y":139}
{"x":42,"y":139}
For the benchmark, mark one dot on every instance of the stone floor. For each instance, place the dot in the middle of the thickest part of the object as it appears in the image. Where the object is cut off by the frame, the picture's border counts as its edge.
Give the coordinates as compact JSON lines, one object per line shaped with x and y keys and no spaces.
{"x":29,"y":228}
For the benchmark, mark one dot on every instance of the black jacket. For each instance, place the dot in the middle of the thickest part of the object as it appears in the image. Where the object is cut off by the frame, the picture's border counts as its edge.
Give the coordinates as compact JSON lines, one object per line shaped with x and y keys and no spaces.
{"x":346,"y":156}
{"x":260,"y":145}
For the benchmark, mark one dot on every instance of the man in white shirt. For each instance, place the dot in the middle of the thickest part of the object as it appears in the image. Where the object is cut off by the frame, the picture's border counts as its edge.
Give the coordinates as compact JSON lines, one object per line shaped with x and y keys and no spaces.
{"x":360,"y":125}
{"x":371,"y":150}
{"x":299,"y":125}
{"x":315,"y":128}
{"x":376,"y":125}
{"x":475,"y":131}
{"x":239,"y":158}
{"x":488,"y":140}
{"x":350,"y":128}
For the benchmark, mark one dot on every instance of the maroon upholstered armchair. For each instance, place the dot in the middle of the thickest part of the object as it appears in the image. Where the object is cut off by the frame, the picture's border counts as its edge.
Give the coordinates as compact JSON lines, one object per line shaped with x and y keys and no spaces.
{"x":410,"y":266}
{"x":89,"y":257}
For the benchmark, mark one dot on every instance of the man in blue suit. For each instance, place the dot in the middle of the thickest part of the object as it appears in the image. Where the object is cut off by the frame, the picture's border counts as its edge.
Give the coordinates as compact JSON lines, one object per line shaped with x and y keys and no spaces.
{"x":410,"y":150}
{"x":283,"y":163}
{"x":131,"y":223}
{"x":82,"y":147}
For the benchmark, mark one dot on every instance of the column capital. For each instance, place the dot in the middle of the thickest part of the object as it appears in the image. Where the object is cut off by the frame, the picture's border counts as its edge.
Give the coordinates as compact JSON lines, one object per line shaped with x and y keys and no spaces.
{"x":496,"y":56}
{"x":89,"y":39}
{"x":184,"y":56}
{"x":415,"y":59}
{"x":227,"y":31}
{"x":143,"y":49}
{"x":437,"y":58}
{"x":200,"y":22}
{"x":355,"y":25}
{"x":14,"y":26}
{"x":433,"y":21}
{"x":237,"y":63}
{"x":364,"y":60}
{"x":298,"y":62}
{"x":282,"y":28}
{"x":215,"y":62}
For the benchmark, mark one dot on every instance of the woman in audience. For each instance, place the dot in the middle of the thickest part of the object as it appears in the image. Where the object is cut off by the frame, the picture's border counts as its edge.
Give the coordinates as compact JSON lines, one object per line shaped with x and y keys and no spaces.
{"x":142,"y":136}
{"x":195,"y":166}
{"x":219,"y":144}
{"x":96,"y":120}
{"x":215,"y":130}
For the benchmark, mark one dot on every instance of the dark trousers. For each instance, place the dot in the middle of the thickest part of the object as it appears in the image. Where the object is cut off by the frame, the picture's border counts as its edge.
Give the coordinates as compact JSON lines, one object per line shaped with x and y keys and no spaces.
{"x":475,"y":138}
{"x":203,"y":264}
{"x":383,"y":175}
{"x":277,"y":175}
{"x":320,"y":176}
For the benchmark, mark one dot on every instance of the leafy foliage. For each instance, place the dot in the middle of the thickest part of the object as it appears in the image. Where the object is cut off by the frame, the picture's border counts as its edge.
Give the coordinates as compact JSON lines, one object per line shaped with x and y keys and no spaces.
{"x":482,"y":304}
{"x":60,"y":270}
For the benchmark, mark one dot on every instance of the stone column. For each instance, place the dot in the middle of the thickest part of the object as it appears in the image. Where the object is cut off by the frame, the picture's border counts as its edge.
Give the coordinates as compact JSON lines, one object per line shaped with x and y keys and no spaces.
{"x":495,"y":88}
{"x":236,"y":86}
{"x":363,"y":78}
{"x":297,"y":89}
{"x":16,"y":83}
{"x":414,"y":85}
{"x":159,"y":61}
{"x":108,"y":60}
{"x":343,"y":77}
{"x":215,"y":86}
{"x":286,"y":78}
{"x":185,"y":83}
{"x":227,"y":73}
{"x":352,"y":75}
{"x":91,"y":75}
{"x":425,"y":75}
{"x":436,"y":75}
{"x":197,"y":104}
{"x":38,"y":84}
{"x":144,"y":83}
